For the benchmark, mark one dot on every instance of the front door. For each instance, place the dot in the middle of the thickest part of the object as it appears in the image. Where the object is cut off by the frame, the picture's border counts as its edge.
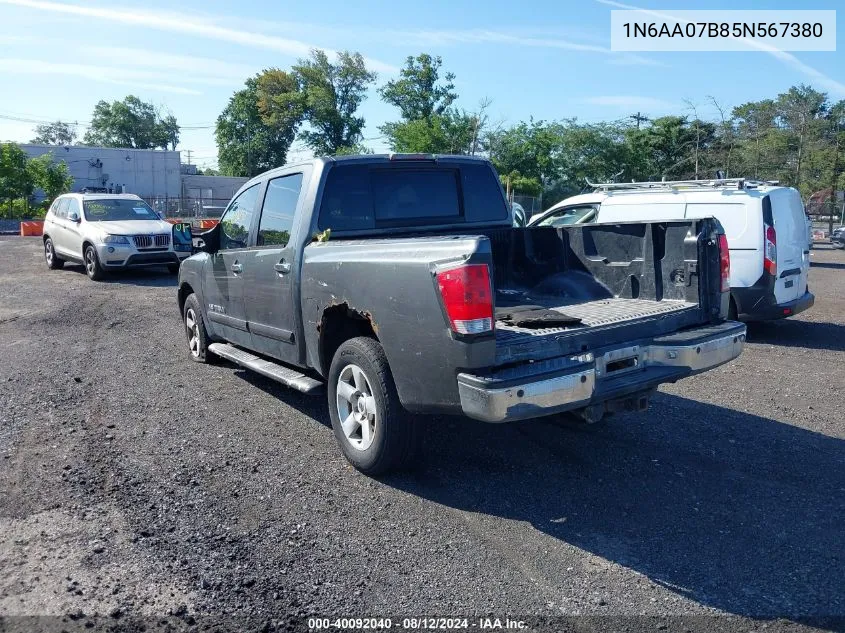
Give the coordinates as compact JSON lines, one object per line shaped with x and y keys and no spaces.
{"x":73,"y":229}
{"x":224,"y":272}
{"x":269,"y":282}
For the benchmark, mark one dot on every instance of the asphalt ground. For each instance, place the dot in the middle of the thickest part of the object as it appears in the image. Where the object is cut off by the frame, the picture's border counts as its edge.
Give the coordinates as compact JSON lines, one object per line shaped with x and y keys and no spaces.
{"x":138,"y":488}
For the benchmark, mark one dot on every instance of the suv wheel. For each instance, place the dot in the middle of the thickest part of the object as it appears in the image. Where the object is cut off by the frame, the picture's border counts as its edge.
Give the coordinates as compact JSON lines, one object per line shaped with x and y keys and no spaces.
{"x":195,"y":331}
{"x":92,"y":264}
{"x":374,"y":431}
{"x":53,"y":260}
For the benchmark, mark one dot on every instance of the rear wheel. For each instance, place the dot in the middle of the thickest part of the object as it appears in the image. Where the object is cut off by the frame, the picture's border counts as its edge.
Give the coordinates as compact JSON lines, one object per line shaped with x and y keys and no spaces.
{"x":92,"y":264}
{"x":375,"y":433}
{"x":53,"y":260}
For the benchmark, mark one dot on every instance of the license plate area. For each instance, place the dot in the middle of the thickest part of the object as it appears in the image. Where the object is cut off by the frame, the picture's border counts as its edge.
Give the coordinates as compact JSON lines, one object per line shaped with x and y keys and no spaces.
{"x":619,"y":361}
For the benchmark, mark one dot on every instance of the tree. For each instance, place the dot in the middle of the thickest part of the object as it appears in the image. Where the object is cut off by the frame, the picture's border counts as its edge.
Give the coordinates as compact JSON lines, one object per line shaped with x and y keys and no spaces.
{"x":418,"y":95}
{"x":131,"y":123}
{"x":331,"y":95}
{"x":280,"y":101}
{"x":246,"y":144}
{"x":801,"y":109}
{"x":15,"y":179}
{"x":56,"y":133}
{"x":51,"y":177}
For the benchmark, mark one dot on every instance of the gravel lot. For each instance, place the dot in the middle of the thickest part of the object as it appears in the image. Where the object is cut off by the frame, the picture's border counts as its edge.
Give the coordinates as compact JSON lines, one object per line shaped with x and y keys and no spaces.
{"x":137,"y":484}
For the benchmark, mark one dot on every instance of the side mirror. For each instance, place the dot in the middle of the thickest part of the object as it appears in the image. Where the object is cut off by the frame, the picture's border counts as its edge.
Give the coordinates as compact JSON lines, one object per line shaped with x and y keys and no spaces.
{"x":209,"y":241}
{"x":73,"y":216}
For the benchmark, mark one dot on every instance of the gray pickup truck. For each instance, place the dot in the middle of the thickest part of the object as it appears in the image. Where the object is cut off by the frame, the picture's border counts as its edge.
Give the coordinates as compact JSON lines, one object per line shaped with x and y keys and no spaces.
{"x":399,"y":284}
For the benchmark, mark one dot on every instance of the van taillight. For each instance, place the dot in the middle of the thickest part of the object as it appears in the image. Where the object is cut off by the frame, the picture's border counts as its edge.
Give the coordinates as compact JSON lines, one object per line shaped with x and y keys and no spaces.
{"x":468,"y":298}
{"x":725,"y":263}
{"x":770,"y":251}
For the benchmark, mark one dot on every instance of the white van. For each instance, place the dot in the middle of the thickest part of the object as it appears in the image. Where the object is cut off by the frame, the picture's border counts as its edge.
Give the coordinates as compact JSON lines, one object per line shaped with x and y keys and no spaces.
{"x":765,"y":225}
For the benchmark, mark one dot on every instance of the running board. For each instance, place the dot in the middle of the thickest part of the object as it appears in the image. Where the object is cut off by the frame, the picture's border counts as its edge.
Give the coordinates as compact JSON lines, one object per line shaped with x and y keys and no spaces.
{"x":279,"y":373}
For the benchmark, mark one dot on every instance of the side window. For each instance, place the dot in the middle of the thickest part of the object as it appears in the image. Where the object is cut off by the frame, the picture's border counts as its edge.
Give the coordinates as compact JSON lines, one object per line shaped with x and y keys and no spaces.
{"x":278,"y":210}
{"x":73,"y":206}
{"x":61,"y":208}
{"x":237,"y":219}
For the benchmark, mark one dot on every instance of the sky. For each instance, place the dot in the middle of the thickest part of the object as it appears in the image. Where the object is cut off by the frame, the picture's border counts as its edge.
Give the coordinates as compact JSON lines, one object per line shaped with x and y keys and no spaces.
{"x":546,"y":59}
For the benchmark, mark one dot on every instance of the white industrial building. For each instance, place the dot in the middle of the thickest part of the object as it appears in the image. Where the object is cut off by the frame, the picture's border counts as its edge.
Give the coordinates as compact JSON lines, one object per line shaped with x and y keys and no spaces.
{"x":158,"y":176}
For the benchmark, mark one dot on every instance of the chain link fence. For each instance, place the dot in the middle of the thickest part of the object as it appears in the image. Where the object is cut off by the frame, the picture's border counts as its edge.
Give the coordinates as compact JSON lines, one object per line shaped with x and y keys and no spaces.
{"x":186,"y":207}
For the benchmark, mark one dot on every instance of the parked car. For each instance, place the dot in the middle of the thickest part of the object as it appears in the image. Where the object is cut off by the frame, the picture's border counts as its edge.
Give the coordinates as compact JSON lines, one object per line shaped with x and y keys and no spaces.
{"x":765,"y":224}
{"x":577,"y":210}
{"x":108,"y":232}
{"x":837,"y":238}
{"x":398,"y":283}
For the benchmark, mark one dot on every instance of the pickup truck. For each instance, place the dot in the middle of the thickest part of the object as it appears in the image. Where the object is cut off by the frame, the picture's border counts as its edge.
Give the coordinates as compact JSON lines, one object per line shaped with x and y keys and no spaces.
{"x":398,"y":285}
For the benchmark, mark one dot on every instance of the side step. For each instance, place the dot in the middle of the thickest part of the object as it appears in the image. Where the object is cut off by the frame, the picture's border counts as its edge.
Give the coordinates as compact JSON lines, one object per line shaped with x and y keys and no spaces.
{"x":280,"y":373}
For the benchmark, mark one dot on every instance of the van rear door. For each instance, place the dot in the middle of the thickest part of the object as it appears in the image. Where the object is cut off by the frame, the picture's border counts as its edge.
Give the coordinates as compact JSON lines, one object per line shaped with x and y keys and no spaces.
{"x":793,"y":253}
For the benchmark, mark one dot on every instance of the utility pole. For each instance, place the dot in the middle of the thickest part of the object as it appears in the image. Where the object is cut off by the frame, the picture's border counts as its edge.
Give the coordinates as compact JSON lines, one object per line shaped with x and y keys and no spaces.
{"x":639,"y":118}
{"x":188,"y":152}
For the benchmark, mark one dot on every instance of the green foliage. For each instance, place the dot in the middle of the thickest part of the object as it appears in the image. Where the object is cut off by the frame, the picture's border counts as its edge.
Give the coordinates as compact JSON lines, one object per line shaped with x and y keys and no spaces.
{"x":131,"y":123}
{"x":56,"y":133}
{"x":330,"y":94}
{"x":20,"y":176}
{"x":247,"y":144}
{"x":452,"y":132}
{"x":15,"y":178}
{"x":51,"y":177}
{"x":418,"y":95}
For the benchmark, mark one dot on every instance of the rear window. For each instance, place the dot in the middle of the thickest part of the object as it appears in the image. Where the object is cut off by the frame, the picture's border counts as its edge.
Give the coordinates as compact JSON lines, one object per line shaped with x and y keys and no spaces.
{"x":360,"y":197}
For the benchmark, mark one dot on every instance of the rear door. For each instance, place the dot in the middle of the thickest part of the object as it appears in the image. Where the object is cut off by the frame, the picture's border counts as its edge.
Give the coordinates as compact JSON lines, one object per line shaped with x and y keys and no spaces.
{"x":269,"y":282}
{"x":223,"y":283}
{"x":793,"y":252}
{"x":58,"y":230}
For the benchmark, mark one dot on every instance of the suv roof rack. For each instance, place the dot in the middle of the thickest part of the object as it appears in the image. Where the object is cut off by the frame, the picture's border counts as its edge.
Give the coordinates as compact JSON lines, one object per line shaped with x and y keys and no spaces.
{"x":714,"y":183}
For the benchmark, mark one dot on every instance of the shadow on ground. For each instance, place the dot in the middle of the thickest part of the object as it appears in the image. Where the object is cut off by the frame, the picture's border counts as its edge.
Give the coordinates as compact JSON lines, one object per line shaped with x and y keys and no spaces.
{"x":798,"y":333}
{"x":151,"y":277}
{"x":732,"y":510}
{"x":834,"y":265}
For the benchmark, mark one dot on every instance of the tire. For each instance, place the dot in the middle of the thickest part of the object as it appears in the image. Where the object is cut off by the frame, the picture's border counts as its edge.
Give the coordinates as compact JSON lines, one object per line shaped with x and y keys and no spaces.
{"x":375,"y":433}
{"x":92,"y":264}
{"x":54,"y":262}
{"x":195,"y":331}
{"x":173,"y":269}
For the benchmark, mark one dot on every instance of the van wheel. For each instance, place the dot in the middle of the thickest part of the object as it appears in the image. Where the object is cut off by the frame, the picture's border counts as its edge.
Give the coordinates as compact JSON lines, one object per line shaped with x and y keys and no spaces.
{"x":53,"y":260}
{"x":92,"y":264}
{"x":195,"y":331}
{"x":375,"y":433}
{"x":732,"y":311}
{"x":173,"y":269}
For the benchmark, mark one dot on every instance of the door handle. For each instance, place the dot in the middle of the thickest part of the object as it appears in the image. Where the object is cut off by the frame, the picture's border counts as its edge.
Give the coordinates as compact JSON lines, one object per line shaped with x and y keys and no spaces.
{"x":237,"y":268}
{"x":283,"y":267}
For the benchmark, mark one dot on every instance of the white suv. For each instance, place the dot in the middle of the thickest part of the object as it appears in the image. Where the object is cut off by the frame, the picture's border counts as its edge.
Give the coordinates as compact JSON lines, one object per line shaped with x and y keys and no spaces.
{"x":110,"y":232}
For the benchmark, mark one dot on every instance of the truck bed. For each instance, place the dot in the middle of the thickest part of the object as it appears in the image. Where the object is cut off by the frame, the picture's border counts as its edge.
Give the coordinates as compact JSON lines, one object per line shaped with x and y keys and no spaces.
{"x":618,"y":282}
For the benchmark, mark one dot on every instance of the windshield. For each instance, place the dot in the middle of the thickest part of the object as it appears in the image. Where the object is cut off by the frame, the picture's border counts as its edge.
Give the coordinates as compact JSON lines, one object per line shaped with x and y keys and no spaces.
{"x":112,"y":209}
{"x":567,"y":216}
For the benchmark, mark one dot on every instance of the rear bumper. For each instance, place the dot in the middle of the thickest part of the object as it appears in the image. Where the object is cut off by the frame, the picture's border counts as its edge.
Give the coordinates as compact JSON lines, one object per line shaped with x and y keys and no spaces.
{"x":593,"y":378}
{"x":767,"y":309}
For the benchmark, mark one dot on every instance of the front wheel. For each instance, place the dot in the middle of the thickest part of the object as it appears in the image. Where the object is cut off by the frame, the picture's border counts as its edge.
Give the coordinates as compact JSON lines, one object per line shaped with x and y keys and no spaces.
{"x":195,"y":331}
{"x":92,"y":264}
{"x":375,"y":433}
{"x":53,"y":260}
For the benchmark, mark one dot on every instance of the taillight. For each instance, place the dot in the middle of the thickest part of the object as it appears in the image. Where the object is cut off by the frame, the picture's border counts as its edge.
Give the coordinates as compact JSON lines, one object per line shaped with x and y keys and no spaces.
{"x":770,"y":251}
{"x":468,"y":298}
{"x":725,"y":263}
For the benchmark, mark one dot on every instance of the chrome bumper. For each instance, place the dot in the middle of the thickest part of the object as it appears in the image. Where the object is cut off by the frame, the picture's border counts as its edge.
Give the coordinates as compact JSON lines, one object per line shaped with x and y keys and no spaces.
{"x":592,"y":376}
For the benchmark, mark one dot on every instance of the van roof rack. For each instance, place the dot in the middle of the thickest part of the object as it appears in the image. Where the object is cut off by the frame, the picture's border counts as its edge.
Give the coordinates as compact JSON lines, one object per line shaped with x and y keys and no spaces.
{"x":713,"y":183}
